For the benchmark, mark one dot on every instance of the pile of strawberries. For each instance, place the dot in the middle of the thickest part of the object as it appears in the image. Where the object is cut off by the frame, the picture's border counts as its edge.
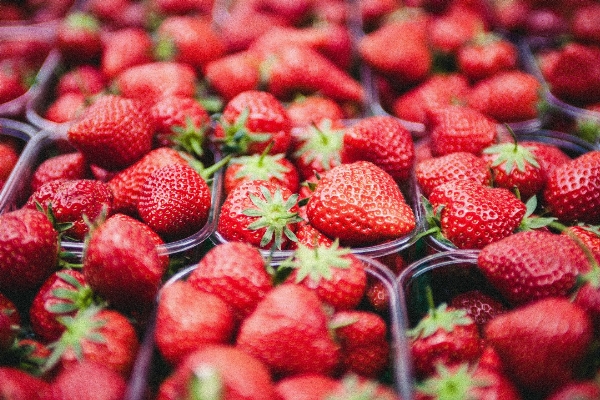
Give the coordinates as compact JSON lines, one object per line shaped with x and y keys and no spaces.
{"x":172,"y":121}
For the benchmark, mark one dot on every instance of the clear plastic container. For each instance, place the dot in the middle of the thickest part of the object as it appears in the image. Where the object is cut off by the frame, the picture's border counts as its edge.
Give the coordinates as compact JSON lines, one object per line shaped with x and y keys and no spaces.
{"x":48,"y":142}
{"x":18,"y":134}
{"x":150,"y":369}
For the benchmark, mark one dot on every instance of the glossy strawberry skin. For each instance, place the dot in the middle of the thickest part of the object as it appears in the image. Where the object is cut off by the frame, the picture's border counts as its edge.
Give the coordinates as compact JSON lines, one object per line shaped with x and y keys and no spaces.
{"x":233,"y":74}
{"x":480,"y":306}
{"x":123,"y":49}
{"x":310,"y":110}
{"x":341,"y":205}
{"x":480,"y":60}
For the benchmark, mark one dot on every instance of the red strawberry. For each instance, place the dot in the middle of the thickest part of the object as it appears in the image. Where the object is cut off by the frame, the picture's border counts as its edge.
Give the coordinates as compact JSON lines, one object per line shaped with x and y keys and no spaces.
{"x":66,"y":108}
{"x":485,"y":56}
{"x":63,"y":293}
{"x":306,"y":387}
{"x":518,"y":266}
{"x":382,"y":140}
{"x":28,"y":250}
{"x":99,"y":335}
{"x":78,"y":37}
{"x":552,"y":332}
{"x":309,"y":236}
{"x":228,"y":370}
{"x":122,"y":263}
{"x":444,"y":336}
{"x":188,"y":319}
{"x":509,"y":96}
{"x":472,"y":216}
{"x":365,"y":346}
{"x":19,"y":385}
{"x":233,"y":74}
{"x":125,"y":48}
{"x":452,"y":29}
{"x":251,"y":121}
{"x":571,"y":192}
{"x":292,"y":11}
{"x":265,"y":167}
{"x":11,"y":86}
{"x":433,"y":172}
{"x":342,"y":205}
{"x":297,"y":339}
{"x":84,"y":79}
{"x":584,"y":23}
{"x":72,"y":201}
{"x":480,"y":306}
{"x":8,"y":159}
{"x":175,"y":201}
{"x":437,"y":91}
{"x":458,"y":128}
{"x":63,"y":166}
{"x":241,"y":281}
{"x":188,"y":39}
{"x":180,"y":7}
{"x":585,"y":390}
{"x":114,"y":132}
{"x":353,"y":385}
{"x":260,"y":213}
{"x":311,"y":110}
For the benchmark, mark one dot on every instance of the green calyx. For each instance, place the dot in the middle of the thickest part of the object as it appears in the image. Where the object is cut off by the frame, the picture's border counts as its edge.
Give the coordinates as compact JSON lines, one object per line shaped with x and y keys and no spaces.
{"x":260,"y":166}
{"x":321,"y":141}
{"x":434,"y":218}
{"x":81,"y":296}
{"x":588,"y":129}
{"x":190,"y":137}
{"x":319,"y":262}
{"x":439,"y":318}
{"x":165,"y":48}
{"x":83,"y":20}
{"x":449,"y":384}
{"x":237,"y":137}
{"x":531,"y":222}
{"x":353,"y":388}
{"x":511,"y":155}
{"x":273,"y":213}
{"x":205,"y":384}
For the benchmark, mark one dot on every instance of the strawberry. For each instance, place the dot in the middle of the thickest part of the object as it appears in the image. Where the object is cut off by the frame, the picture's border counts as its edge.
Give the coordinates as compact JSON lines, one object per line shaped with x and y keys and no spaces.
{"x":180,"y":7}
{"x":342,"y":205}
{"x":444,"y":336}
{"x":11,"y":86}
{"x":571,"y":192}
{"x":78,"y":38}
{"x":308,"y":235}
{"x":353,"y":385}
{"x":448,"y":32}
{"x":518,"y":266}
{"x":175,"y":201}
{"x":297,"y":339}
{"x":552,"y":332}
{"x":509,"y":96}
{"x":480,"y":307}
{"x":435,"y":171}
{"x":113,"y":133}
{"x":365,"y":346}
{"x":382,"y":140}
{"x":305,"y":387}
{"x":337,"y":276}
{"x":233,"y":74}
{"x":250,"y":121}
{"x":72,"y":201}
{"x":19,"y":385}
{"x":472,"y":216}
{"x":28,"y":250}
{"x":122,"y":263}
{"x":63,"y":293}
{"x":241,"y":281}
{"x":127,"y":184}
{"x":260,"y":213}
{"x":436,"y":91}
{"x":311,"y":110}
{"x":66,"y":108}
{"x":585,"y":390}
{"x":85,"y":79}
{"x":583,"y":23}
{"x":463,"y":382}
{"x":9,"y":157}
{"x":75,"y":383}
{"x":225,"y":369}
{"x":292,"y":11}
{"x":99,"y":335}
{"x":124,"y":48}
{"x":266,"y":167}
{"x":485,"y":56}
{"x":188,"y":319}
{"x":63,"y":166}
{"x":189,"y":40}
{"x":457,"y":128}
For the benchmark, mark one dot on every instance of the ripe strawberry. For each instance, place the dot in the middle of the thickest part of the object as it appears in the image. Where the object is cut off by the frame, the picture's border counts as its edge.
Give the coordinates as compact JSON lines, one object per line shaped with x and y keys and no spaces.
{"x":188,"y":319}
{"x":342,"y":205}
{"x":75,"y":383}
{"x":122,"y":263}
{"x":28,"y":250}
{"x":463,"y":382}
{"x":11,"y":85}
{"x":63,"y":166}
{"x":485,"y":56}
{"x":99,"y":335}
{"x":472,"y":216}
{"x":66,"y":108}
{"x":19,"y":385}
{"x":292,"y":11}
{"x":180,"y":7}
{"x":312,"y":110}
{"x":382,"y":140}
{"x":308,"y":235}
{"x":125,"y":48}
{"x":337,"y":276}
{"x":251,"y":121}
{"x":365,"y":346}
{"x":444,"y":336}
{"x":571,"y":192}
{"x":8,"y":158}
{"x":584,"y":390}
{"x":583,"y":23}
{"x":114,"y":132}
{"x":457,"y":128}
{"x":260,"y":213}
{"x":297,"y":339}
{"x":233,"y":74}
{"x":552,"y":332}
{"x":480,"y":307}
{"x":175,"y":201}
{"x":449,"y":31}
{"x":354,"y":385}
{"x":189,"y":40}
{"x":525,"y":255}
{"x":305,"y":387}
{"x":435,"y":171}
{"x":225,"y":369}
{"x":266,"y":167}
{"x":78,"y":38}
{"x":436,"y":91}
{"x":84,"y":79}
{"x":63,"y":293}
{"x":509,"y":96}
{"x":241,"y":281}
{"x":72,"y":201}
